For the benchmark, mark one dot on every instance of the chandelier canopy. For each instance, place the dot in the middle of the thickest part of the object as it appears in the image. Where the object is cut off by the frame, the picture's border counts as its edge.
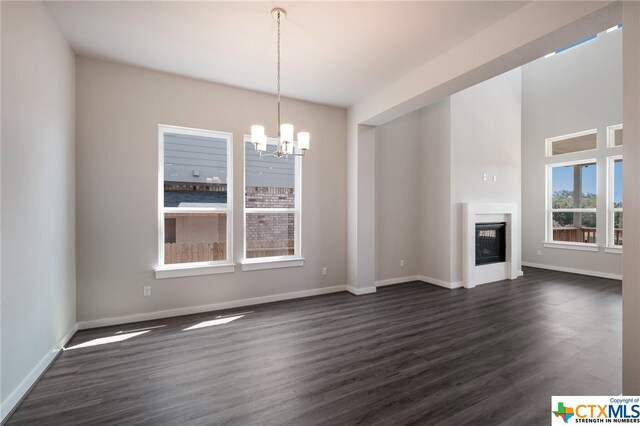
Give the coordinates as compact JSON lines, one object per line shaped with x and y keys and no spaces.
{"x":286,"y":145}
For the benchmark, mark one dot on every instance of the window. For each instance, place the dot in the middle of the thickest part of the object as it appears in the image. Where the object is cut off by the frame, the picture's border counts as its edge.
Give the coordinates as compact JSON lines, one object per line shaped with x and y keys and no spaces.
{"x":576,"y":142}
{"x":577,"y":43}
{"x":573,"y":202}
{"x":614,"y":136}
{"x":584,"y":40}
{"x":272,"y":207}
{"x":614,"y":189}
{"x":615,"y":203}
{"x":584,"y":207}
{"x":195,"y":199}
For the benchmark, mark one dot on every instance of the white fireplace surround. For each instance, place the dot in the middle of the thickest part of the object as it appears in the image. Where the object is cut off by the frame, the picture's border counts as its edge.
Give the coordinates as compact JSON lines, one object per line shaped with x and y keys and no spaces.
{"x":473,"y":213}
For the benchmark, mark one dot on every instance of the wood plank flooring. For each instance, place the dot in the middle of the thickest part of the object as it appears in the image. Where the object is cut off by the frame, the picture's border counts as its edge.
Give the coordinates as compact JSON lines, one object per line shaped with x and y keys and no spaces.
{"x":409,"y":354}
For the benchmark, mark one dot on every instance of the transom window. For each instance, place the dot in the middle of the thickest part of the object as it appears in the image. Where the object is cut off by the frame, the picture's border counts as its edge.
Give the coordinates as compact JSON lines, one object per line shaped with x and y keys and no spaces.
{"x":568,"y":144}
{"x":614,"y":136}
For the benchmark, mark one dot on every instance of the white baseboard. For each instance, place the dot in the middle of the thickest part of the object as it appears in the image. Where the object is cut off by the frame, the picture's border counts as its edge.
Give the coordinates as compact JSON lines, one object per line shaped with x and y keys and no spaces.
{"x":441,"y":283}
{"x":574,"y":270}
{"x":360,"y":291}
{"x":519,"y":273}
{"x":103,"y":322}
{"x":429,"y":280}
{"x":400,"y":280}
{"x":15,"y":397}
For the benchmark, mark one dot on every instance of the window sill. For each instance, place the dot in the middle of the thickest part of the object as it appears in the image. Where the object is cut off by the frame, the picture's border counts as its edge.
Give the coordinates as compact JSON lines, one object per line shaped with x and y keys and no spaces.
{"x":185,"y":270}
{"x":572,"y":246}
{"x":613,"y":249}
{"x":256,"y":265}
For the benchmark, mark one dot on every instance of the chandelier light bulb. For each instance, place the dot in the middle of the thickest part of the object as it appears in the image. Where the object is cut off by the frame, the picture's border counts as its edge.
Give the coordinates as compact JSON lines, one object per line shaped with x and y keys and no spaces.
{"x":286,"y":132}
{"x":261,"y":143}
{"x":303,"y":140}
{"x":257,"y":132}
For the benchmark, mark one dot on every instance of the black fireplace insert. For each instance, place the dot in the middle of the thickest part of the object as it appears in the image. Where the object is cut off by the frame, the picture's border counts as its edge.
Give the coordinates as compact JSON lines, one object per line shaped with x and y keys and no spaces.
{"x":490,"y":243}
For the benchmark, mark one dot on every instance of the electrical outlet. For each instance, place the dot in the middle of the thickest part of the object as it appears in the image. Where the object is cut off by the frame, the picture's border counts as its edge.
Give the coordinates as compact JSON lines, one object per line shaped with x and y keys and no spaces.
{"x":402,"y":263}
{"x":495,"y":178}
{"x":324,"y":270}
{"x":146,"y":291}
{"x":539,"y":252}
{"x":484,"y":176}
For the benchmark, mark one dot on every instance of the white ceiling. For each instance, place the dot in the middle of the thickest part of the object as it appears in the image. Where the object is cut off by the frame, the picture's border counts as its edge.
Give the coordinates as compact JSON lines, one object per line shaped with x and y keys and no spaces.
{"x":333,"y":53}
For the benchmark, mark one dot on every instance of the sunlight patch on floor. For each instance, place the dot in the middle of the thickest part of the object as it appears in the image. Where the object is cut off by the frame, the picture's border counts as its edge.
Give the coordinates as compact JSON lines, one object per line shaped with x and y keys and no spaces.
{"x":217,"y":321}
{"x":106,"y":340}
{"x":139,"y":329}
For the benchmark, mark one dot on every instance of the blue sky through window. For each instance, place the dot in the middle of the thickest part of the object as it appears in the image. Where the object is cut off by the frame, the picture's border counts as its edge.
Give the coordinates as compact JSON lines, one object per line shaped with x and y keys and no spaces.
{"x":577,"y":43}
{"x":617,"y":182}
{"x":563,"y":178}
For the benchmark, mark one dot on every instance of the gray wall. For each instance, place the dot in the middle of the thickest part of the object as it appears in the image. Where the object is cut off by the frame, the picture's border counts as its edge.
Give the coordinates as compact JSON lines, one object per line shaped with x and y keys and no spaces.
{"x":579,"y":89}
{"x":397,"y":198}
{"x":435,"y":191}
{"x":38,"y":289}
{"x":631,"y":282}
{"x":485,"y":138}
{"x":118,"y":111}
{"x":429,"y":162}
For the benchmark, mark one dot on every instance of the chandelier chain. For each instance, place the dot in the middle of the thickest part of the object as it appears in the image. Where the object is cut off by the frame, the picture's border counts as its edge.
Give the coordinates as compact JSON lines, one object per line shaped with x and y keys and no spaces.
{"x":278,"y":73}
{"x":286,"y":144}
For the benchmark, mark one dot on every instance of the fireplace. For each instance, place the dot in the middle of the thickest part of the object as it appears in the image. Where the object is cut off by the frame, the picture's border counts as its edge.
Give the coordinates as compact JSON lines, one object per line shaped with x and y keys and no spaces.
{"x":490,"y":243}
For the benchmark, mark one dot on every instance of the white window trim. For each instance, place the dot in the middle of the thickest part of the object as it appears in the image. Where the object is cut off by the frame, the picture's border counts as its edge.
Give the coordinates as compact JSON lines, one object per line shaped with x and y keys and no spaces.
{"x":611,"y":210}
{"x":549,"y":242}
{"x":271,"y":263}
{"x":192,"y":269}
{"x":257,"y":263}
{"x":549,"y":143}
{"x":613,"y":250}
{"x":611,"y":136}
{"x":566,"y":245}
{"x":195,"y":268}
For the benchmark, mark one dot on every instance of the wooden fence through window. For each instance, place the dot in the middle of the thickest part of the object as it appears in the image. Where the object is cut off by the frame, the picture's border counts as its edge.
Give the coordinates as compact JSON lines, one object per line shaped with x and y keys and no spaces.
{"x":583,"y":235}
{"x":206,"y":252}
{"x":194,"y":252}
{"x":267,"y":248}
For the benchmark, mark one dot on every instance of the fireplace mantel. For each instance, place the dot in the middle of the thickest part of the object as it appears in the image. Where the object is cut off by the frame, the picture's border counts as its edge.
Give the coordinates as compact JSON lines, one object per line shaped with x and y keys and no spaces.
{"x":473,"y":213}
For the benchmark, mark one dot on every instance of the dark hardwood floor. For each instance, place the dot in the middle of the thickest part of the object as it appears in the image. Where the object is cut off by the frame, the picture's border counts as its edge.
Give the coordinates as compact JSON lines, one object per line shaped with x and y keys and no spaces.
{"x":409,"y":354}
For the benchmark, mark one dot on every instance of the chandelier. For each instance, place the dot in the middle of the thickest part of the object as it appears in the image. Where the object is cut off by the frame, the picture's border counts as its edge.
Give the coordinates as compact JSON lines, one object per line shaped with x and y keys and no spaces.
{"x":286,"y":145}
